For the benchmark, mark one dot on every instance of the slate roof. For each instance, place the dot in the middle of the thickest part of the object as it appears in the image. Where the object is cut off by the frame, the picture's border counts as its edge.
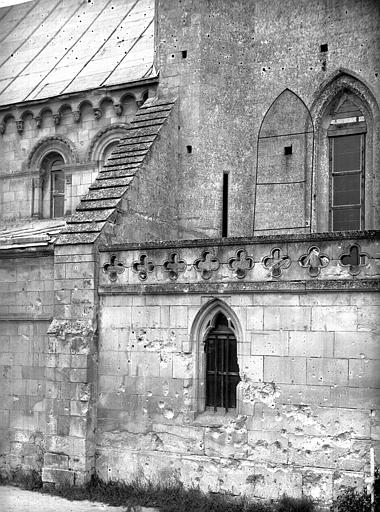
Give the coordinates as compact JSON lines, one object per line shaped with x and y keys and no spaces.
{"x":54,"y":47}
{"x":101,"y":203}
{"x":38,"y":233}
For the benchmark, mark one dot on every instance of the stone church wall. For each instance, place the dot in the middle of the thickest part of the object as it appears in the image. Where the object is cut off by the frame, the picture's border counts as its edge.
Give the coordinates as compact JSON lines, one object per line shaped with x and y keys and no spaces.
{"x":26,"y":298}
{"x":228,"y":62}
{"x":79,"y":129}
{"x":307,"y":402}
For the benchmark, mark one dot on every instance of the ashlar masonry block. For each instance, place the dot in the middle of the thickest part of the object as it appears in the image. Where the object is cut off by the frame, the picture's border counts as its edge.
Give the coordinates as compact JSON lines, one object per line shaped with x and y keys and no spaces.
{"x":334,"y":318}
{"x":178,"y":316}
{"x":289,"y":318}
{"x":286,"y":370}
{"x":364,"y":373}
{"x":368,"y":318}
{"x":357,"y":345}
{"x":268,"y":343}
{"x":60,"y":477}
{"x":312,"y":344}
{"x":255,"y":318}
{"x":182,"y":366}
{"x":327,"y":371}
{"x":252,"y":368}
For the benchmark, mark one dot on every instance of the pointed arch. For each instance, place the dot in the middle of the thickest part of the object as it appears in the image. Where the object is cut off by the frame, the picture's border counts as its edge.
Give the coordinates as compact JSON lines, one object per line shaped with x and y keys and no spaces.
{"x":204,"y":323}
{"x":284,"y":167}
{"x":345,"y":86}
{"x":342,"y":80}
{"x":277,"y":120}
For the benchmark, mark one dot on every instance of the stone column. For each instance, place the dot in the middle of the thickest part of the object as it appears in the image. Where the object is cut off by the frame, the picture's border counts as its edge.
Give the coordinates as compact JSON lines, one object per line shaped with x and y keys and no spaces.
{"x":71,"y":361}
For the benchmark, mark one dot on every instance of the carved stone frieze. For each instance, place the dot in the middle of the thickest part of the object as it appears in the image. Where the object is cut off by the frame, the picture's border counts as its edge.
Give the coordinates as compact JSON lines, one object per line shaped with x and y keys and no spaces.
{"x":230,"y":262}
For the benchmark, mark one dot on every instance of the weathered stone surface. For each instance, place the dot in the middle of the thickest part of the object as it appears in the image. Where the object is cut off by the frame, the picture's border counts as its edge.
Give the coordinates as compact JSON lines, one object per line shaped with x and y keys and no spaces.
{"x":122,"y":371}
{"x":60,"y":477}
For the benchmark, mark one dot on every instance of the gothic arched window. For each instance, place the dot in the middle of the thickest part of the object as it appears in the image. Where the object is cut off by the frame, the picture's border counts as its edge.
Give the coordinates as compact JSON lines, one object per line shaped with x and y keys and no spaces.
{"x":346,"y":134}
{"x":345,"y":184}
{"x":222,"y":369}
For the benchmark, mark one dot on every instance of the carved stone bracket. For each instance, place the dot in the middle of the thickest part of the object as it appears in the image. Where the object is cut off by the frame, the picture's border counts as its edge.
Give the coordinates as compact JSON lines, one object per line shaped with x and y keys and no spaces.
{"x":314,"y":261}
{"x":276,"y":262}
{"x":20,"y":126}
{"x":97,"y":113}
{"x":207,"y":264}
{"x":354,"y":259}
{"x":113,"y":268}
{"x":143,"y":267}
{"x":57,"y":118}
{"x":118,"y":109}
{"x":174,"y":266}
{"x":241,"y":263}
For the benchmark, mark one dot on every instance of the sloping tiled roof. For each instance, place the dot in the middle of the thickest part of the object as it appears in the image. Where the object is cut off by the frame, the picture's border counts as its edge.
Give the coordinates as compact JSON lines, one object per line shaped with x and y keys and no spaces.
{"x":53,"y":47}
{"x":39,"y":233}
{"x":104,"y":197}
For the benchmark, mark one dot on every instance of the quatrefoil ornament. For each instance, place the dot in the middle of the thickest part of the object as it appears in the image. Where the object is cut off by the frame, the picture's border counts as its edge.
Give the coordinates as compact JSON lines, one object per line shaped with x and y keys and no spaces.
{"x":314,"y":261}
{"x":207,"y":264}
{"x":174,"y":266}
{"x":354,"y":259}
{"x":276,"y":262}
{"x":142,"y":267}
{"x":241,"y":264}
{"x":113,"y":268}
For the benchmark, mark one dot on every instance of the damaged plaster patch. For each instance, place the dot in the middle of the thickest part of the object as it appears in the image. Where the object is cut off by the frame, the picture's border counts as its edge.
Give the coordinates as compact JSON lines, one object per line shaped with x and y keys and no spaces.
{"x":263,"y":392}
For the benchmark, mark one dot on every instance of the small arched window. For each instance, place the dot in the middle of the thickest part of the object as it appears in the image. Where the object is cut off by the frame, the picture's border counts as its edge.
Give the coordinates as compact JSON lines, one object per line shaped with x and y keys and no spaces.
{"x":346,"y":135}
{"x":57,"y":189}
{"x":53,"y":186}
{"x":222,"y":369}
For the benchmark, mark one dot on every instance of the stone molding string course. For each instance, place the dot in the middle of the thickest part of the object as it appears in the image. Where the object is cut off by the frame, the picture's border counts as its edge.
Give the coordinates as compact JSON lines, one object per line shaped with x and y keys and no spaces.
{"x":240,"y":264}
